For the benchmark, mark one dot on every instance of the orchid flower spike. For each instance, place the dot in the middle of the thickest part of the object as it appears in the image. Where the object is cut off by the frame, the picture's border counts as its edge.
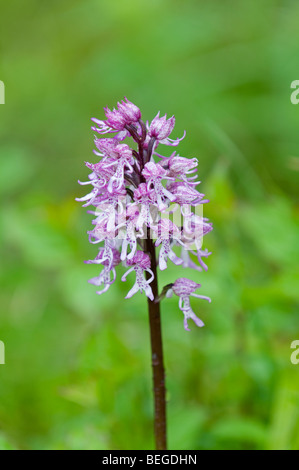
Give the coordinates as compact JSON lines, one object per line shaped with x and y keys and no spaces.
{"x":138,"y":193}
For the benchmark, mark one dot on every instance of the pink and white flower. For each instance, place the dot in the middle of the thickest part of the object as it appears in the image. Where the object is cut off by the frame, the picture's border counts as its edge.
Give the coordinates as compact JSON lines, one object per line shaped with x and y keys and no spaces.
{"x":140,"y":263}
{"x":166,"y":233}
{"x":184,"y":288}
{"x":154,"y":174}
{"x":133,"y":189}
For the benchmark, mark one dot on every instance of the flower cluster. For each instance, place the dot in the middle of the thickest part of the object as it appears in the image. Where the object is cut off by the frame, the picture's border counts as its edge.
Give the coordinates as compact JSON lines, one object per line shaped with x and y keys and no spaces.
{"x":136,"y":192}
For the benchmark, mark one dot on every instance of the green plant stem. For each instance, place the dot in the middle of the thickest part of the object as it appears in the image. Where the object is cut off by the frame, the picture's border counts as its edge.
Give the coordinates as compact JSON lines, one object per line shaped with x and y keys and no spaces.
{"x":157,"y":356}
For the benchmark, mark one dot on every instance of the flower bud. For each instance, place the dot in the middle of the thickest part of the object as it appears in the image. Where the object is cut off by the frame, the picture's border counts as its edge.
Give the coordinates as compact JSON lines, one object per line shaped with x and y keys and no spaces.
{"x":130,"y":112}
{"x":161,"y":128}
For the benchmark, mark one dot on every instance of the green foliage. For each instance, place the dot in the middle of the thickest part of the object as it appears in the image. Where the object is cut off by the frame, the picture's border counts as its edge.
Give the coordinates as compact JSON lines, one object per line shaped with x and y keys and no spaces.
{"x":77,"y":372}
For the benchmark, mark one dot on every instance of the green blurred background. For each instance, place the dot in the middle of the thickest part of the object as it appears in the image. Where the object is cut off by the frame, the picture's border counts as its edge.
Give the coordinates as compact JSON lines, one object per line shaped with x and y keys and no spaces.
{"x":77,"y":372}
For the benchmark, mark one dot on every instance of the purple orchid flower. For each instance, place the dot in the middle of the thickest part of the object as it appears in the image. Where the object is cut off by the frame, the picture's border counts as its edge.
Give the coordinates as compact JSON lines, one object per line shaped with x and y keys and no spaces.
{"x":117,"y":119}
{"x":160,"y":129}
{"x":167,"y":232}
{"x":184,"y":288}
{"x":140,"y":263}
{"x":109,"y":262}
{"x":133,"y":192}
{"x":154,"y":174}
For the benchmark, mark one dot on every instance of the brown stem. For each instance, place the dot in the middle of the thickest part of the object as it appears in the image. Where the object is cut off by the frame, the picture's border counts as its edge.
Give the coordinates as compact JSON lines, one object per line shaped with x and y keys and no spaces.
{"x":157,"y":355}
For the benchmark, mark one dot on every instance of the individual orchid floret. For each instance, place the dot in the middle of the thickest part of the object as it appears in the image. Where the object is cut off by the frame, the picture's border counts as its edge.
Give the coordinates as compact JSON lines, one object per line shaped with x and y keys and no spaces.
{"x":140,"y":263}
{"x":160,"y":127}
{"x":106,"y":254}
{"x":101,"y":173}
{"x":99,"y":178}
{"x":110,"y":206}
{"x":123,"y":160}
{"x":117,"y":119}
{"x":193,"y":230}
{"x":115,"y":122}
{"x":129,"y":235}
{"x":166,"y":232}
{"x":154,"y":173}
{"x":184,"y":288}
{"x":180,"y":167}
{"x":106,"y":147}
{"x":196,"y":225}
{"x":101,"y":128}
{"x":109,"y":264}
{"x":129,"y":111}
{"x":182,"y":193}
{"x":145,"y":198}
{"x":101,"y":233}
